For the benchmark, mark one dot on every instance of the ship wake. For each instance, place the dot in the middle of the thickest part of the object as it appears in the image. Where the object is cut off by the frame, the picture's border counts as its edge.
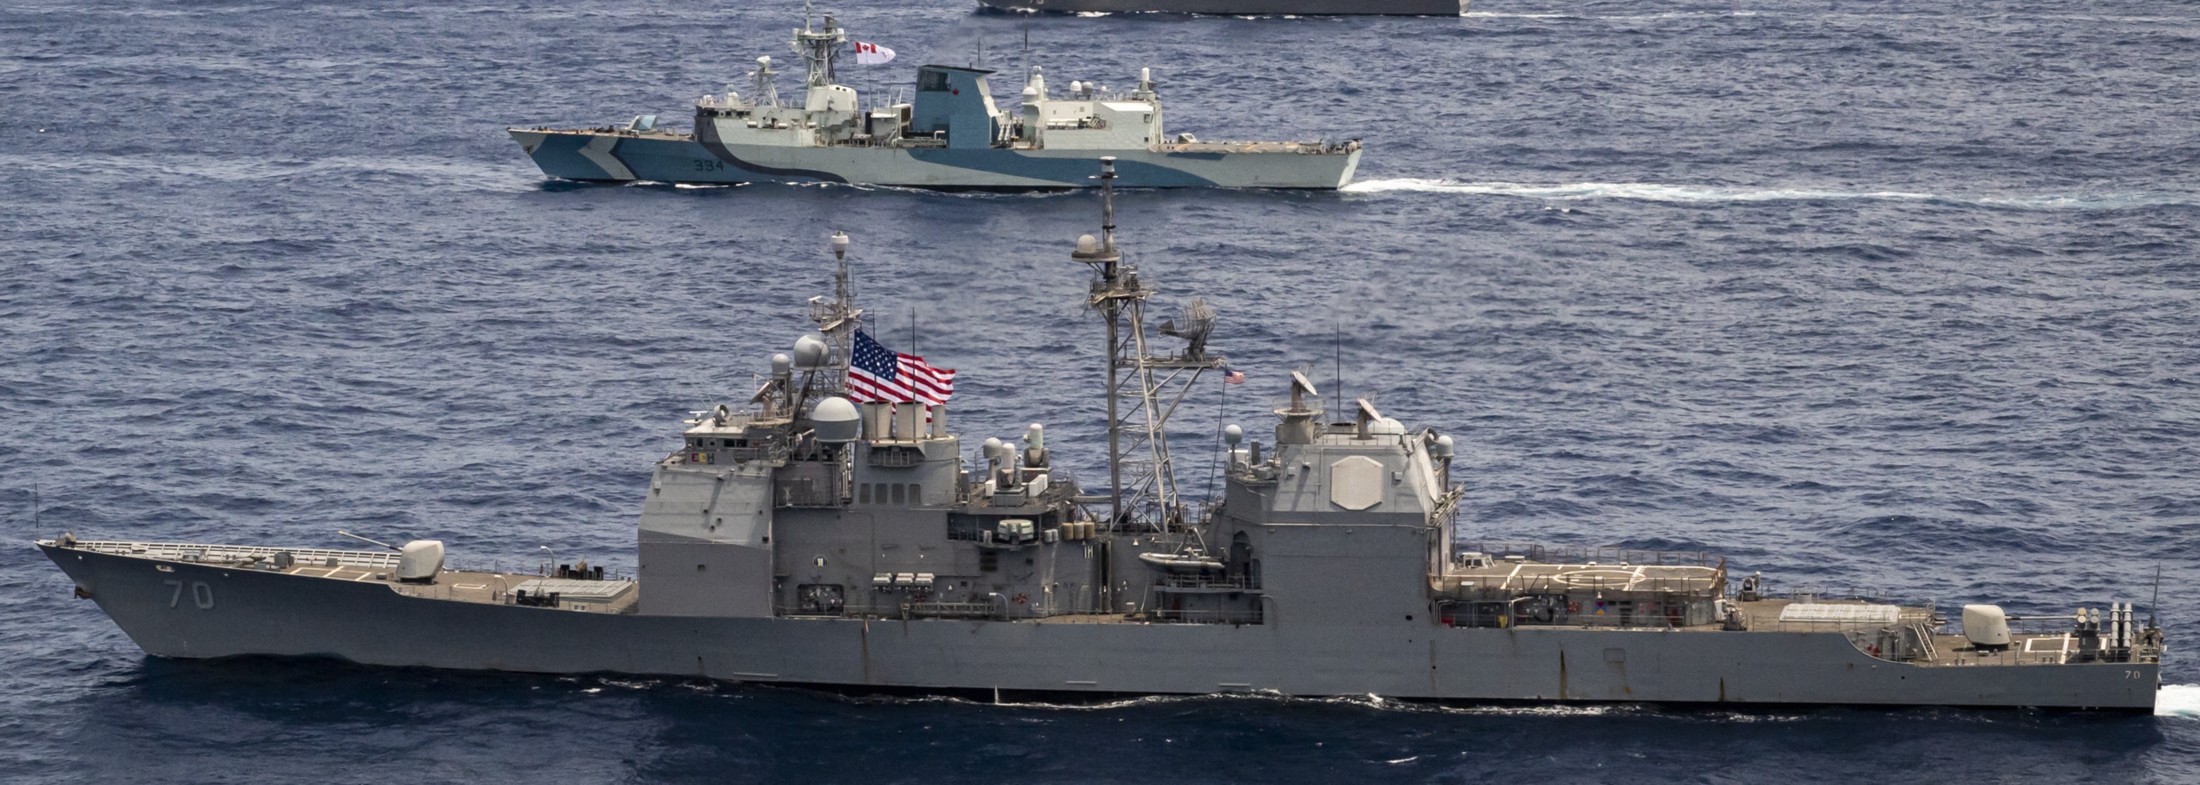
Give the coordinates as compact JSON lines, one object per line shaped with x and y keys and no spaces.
{"x":2178,"y":700}
{"x":1706,"y":194}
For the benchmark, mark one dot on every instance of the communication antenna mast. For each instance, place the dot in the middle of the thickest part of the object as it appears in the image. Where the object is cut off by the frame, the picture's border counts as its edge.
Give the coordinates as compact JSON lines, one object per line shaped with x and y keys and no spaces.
{"x":819,"y":48}
{"x":1143,"y":388}
{"x":839,"y":318}
{"x":2153,"y":605}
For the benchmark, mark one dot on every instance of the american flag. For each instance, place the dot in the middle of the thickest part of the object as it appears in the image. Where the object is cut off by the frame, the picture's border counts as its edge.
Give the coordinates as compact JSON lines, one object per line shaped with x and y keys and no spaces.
{"x":876,"y":373}
{"x":1232,"y":377}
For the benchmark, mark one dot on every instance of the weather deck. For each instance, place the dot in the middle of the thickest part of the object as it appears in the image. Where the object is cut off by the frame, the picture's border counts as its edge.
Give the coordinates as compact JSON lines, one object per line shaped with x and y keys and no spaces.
{"x":618,"y":595}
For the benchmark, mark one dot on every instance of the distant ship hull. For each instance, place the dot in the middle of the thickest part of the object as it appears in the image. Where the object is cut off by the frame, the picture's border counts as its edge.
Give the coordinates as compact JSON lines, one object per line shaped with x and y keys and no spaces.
{"x":185,"y":610}
{"x":623,"y":156}
{"x":1242,"y":7}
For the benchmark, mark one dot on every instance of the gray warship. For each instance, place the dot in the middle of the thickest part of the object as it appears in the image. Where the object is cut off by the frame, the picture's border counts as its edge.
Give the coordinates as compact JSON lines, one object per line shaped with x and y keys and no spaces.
{"x":834,"y":532}
{"x":1240,"y":7}
{"x":950,"y":135}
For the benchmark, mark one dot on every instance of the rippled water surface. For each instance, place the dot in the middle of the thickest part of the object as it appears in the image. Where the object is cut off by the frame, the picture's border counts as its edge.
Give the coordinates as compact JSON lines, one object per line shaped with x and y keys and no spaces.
{"x":1889,"y":295}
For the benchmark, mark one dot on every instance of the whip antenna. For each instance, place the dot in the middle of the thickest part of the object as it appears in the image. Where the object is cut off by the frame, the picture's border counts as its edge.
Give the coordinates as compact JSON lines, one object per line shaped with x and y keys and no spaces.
{"x":2154,"y":604}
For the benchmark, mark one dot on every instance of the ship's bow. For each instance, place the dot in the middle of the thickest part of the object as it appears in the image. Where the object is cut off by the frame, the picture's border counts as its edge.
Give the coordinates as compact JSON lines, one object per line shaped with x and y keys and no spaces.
{"x":573,"y":155}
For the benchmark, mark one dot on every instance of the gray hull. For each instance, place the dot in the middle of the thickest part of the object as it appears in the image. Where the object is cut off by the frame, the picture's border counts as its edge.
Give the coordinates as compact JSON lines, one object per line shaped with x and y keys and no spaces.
{"x":201,"y":611}
{"x":1243,"y":7}
{"x":601,"y":156}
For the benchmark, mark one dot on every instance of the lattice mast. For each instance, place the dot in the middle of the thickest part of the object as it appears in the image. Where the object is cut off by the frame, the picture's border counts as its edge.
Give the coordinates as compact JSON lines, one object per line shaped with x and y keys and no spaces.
{"x":819,"y":48}
{"x":1142,"y":389}
{"x":839,"y":318}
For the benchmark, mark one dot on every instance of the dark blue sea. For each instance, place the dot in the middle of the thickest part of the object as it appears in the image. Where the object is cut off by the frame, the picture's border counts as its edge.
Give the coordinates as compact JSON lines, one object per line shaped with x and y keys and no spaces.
{"x":1895,"y":296}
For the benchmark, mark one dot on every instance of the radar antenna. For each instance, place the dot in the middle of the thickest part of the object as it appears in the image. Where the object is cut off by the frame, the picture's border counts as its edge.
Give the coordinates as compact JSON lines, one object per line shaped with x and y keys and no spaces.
{"x":767,"y":91}
{"x":1142,"y":491}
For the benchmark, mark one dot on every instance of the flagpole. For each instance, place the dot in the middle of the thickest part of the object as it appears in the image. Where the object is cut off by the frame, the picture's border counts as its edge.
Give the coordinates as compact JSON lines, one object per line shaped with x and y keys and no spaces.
{"x":1222,"y":413}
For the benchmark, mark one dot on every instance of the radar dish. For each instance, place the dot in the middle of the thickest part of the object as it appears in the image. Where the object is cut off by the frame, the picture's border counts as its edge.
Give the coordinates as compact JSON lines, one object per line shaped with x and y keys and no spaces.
{"x":1193,"y":325}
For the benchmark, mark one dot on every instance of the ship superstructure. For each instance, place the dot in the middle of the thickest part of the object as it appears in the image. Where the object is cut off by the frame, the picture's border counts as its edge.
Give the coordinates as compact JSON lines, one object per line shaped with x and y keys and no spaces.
{"x":949,"y":135}
{"x":809,"y":537}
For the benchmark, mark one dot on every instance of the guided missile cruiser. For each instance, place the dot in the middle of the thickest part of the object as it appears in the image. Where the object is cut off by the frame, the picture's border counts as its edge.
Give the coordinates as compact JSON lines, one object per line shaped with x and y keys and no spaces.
{"x":950,"y":135}
{"x":832,"y":530}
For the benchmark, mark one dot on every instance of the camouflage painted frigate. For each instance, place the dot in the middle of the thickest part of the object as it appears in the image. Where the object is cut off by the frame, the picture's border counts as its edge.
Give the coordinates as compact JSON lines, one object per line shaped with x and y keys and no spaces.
{"x":817,"y":539}
{"x":950,"y":135}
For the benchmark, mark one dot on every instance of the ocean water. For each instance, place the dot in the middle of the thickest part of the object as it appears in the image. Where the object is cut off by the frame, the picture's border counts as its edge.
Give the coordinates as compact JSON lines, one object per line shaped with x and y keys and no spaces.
{"x":1897,"y":296}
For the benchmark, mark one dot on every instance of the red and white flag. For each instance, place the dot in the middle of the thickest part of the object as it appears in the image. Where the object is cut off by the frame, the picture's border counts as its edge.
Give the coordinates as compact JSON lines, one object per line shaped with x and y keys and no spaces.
{"x":872,"y":54}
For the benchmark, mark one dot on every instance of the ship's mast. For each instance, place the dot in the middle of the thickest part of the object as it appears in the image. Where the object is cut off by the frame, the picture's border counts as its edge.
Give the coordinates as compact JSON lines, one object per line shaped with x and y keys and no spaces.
{"x":1142,"y":484}
{"x":819,"y":47}
{"x":839,"y":318}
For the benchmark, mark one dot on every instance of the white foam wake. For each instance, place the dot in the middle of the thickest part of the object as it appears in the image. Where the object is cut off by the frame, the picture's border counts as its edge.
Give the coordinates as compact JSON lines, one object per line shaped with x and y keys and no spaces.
{"x":1644,"y":191}
{"x":1705,"y":194}
{"x":2178,"y":700}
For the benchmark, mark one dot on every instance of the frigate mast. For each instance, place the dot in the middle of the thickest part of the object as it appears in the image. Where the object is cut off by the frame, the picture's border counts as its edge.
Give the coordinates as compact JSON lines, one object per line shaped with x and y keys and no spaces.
{"x":1153,"y":385}
{"x":818,"y":47}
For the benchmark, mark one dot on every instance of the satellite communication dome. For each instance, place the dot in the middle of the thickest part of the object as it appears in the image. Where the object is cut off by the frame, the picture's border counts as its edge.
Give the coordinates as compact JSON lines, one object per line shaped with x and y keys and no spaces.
{"x":836,"y":421}
{"x":810,"y":352}
{"x":782,"y":366}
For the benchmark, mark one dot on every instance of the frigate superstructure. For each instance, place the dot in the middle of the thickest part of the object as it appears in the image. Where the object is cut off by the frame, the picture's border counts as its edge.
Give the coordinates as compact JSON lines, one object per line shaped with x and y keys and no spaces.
{"x":949,"y":135}
{"x":812,"y":538}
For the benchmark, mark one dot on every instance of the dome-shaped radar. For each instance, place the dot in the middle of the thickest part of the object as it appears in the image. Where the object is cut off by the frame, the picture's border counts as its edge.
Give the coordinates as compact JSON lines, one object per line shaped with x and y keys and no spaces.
{"x":1388,"y":426}
{"x":1443,"y":448}
{"x":994,"y":449}
{"x":1232,"y":434}
{"x":1088,"y":245}
{"x":810,"y":352}
{"x":782,"y":366}
{"x":836,"y":421}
